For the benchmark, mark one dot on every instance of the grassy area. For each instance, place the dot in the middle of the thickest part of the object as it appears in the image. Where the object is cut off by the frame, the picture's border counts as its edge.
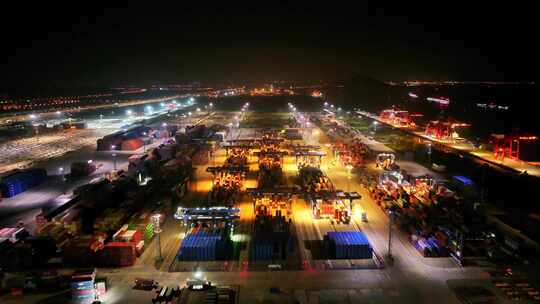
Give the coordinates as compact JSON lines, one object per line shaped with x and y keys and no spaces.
{"x":392,"y":138}
{"x":266,"y":120}
{"x":361,"y":125}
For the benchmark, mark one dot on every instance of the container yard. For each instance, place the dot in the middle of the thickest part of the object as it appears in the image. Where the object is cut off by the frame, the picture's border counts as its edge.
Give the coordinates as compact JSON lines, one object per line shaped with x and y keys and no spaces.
{"x":277,"y":202}
{"x":271,"y":239}
{"x":280,"y":154}
{"x":236,"y":214}
{"x":227,"y":183}
{"x":270,"y":173}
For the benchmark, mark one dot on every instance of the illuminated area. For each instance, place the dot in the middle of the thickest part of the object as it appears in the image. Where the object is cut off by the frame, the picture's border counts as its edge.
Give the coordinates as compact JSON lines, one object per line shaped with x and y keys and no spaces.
{"x":278,"y":155}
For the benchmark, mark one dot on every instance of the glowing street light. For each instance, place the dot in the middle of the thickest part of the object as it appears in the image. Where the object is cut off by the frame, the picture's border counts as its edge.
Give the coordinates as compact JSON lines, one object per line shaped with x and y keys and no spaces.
{"x":129,"y":112}
{"x":198,"y":109}
{"x":113,"y":147}
{"x":61,"y":173}
{"x":144,"y":141}
{"x":33,"y":116}
{"x":429,"y":153}
{"x":58,"y":113}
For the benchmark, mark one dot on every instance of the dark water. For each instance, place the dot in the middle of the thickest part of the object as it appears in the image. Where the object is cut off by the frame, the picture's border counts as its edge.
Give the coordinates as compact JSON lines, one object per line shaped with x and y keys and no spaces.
{"x":521,"y":101}
{"x":521,"y":117}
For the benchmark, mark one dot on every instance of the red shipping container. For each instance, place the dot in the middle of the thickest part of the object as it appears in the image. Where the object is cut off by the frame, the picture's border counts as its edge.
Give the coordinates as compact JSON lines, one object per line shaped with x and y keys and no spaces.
{"x":327,"y":209}
{"x":118,"y":254}
{"x":132,"y":144}
{"x":137,"y":236}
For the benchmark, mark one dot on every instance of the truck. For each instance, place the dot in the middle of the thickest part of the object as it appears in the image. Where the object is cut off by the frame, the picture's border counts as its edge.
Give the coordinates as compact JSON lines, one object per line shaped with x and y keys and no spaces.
{"x":80,"y":169}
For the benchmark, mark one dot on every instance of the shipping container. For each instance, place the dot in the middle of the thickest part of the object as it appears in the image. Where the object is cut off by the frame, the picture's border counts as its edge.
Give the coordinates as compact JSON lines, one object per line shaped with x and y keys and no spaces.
{"x":20,"y":181}
{"x":348,"y":245}
{"x":82,"y":169}
{"x":117,"y":254}
{"x":204,"y":246}
{"x":131,"y":144}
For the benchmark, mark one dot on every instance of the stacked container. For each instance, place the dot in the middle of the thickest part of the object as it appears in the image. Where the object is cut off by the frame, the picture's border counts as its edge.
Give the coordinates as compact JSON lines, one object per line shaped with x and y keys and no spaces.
{"x":270,"y":246}
{"x":348,"y":245}
{"x":21,"y":181}
{"x":13,"y":234}
{"x":117,"y":254}
{"x":270,"y":238}
{"x":131,"y":144}
{"x":82,"y":286}
{"x":203,"y":246}
{"x":101,"y":286}
{"x":77,"y":252}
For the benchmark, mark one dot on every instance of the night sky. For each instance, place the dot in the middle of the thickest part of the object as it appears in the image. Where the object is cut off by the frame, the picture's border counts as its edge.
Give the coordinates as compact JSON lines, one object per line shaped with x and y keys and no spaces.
{"x":47,"y":47}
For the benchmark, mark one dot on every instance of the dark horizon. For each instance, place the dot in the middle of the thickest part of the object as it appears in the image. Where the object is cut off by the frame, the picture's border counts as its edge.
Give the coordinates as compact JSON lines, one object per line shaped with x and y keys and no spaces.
{"x":48,"y":48}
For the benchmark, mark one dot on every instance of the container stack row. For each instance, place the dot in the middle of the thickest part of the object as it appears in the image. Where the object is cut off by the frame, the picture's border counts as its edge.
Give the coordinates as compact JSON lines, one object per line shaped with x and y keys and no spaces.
{"x":204,"y":246}
{"x":348,"y":245}
{"x":20,"y":181}
{"x":271,"y":238}
{"x":82,"y":286}
{"x":122,"y":140}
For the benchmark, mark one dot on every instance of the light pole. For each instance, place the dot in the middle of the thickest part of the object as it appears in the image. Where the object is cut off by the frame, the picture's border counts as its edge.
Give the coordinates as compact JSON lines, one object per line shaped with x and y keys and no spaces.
{"x":390,"y":217}
{"x":144,"y":142}
{"x":157,"y":230}
{"x":113,"y":147}
{"x":429,"y":153}
{"x":349,"y":168}
{"x":61,"y":173}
